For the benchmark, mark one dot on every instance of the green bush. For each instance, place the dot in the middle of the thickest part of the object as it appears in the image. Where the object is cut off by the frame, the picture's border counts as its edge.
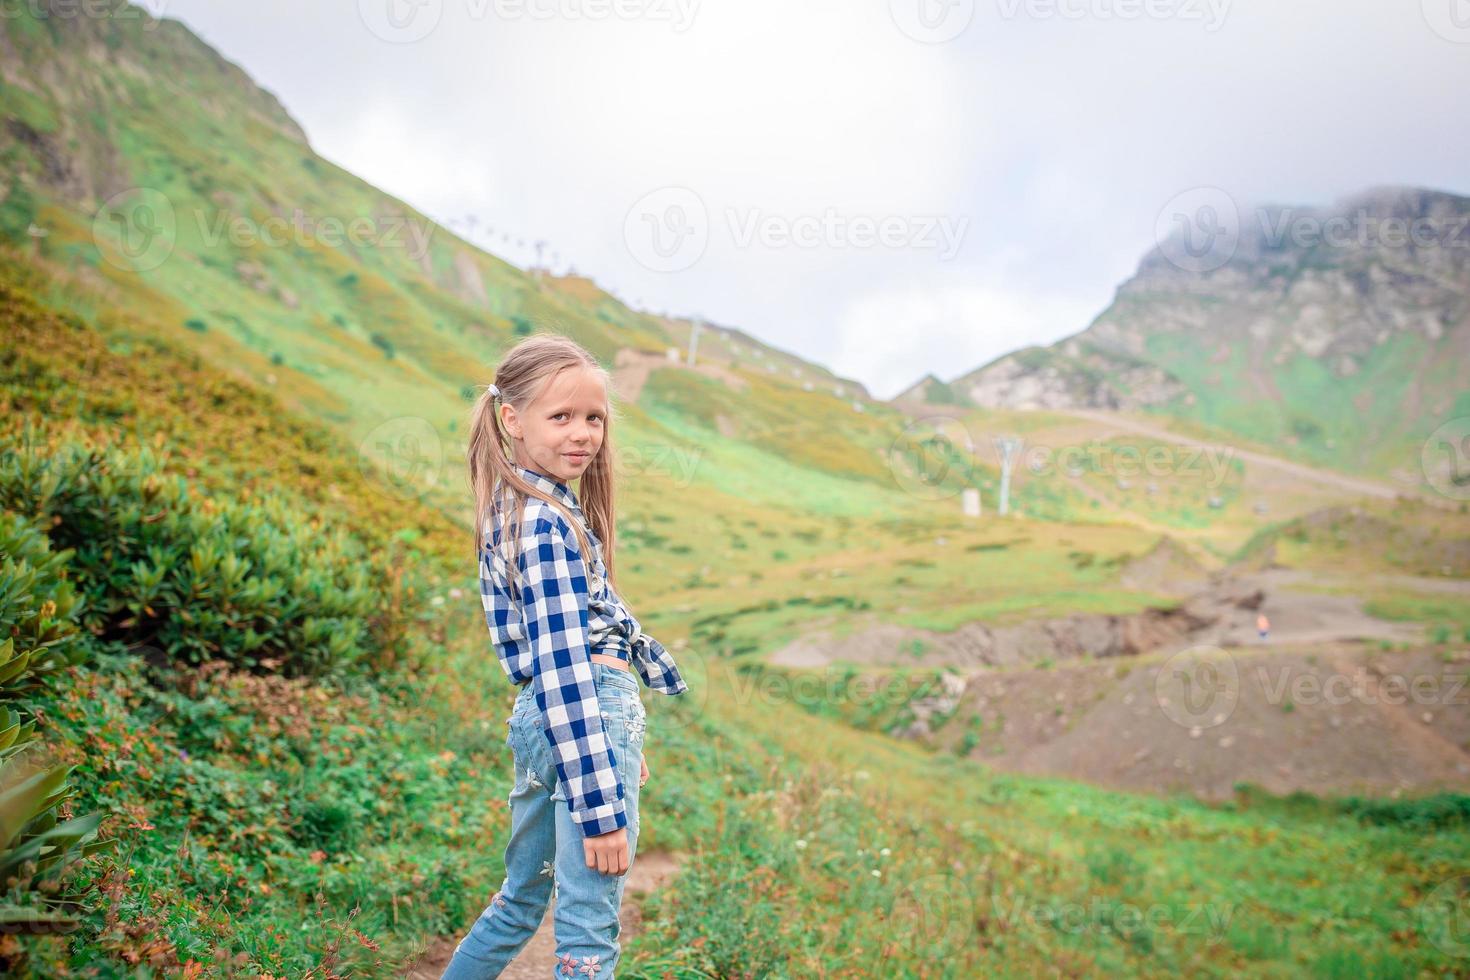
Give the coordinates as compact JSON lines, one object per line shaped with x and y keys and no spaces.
{"x":38,"y":620}
{"x":38,"y":609}
{"x":246,"y":581}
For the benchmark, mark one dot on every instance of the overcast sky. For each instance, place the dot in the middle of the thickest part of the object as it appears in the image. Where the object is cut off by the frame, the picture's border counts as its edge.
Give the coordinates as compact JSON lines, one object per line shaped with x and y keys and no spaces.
{"x":887,"y":187}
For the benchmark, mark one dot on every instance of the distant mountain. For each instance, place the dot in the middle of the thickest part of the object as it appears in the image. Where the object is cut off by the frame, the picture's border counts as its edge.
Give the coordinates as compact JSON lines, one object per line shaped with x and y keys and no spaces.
{"x":1339,"y":333}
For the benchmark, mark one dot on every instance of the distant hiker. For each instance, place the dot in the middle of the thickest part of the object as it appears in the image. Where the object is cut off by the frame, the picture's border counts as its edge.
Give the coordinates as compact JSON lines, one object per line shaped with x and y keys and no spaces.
{"x":1263,"y":625}
{"x":564,"y":635}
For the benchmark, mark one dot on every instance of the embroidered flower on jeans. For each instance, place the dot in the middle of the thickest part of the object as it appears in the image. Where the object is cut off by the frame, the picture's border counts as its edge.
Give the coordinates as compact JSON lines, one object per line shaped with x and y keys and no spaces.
{"x":590,"y":965}
{"x":547,"y":869}
{"x":636,"y":727}
{"x":534,"y":779}
{"x":567,"y":964}
{"x":499,"y":899}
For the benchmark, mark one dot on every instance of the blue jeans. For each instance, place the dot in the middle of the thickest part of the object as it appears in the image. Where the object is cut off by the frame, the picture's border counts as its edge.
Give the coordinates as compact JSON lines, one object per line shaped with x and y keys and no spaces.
{"x":545,"y":850}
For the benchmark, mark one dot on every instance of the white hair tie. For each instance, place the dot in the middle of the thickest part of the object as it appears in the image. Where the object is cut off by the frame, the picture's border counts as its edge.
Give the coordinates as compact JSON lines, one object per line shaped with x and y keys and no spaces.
{"x":494,"y":390}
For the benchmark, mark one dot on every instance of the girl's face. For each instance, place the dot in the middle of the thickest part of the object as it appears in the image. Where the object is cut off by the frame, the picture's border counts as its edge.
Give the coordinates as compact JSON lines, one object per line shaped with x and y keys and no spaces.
{"x":561,"y":431}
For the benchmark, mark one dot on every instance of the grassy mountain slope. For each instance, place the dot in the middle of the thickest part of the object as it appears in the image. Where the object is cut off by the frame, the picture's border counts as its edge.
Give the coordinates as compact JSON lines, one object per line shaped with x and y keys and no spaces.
{"x":239,"y":798}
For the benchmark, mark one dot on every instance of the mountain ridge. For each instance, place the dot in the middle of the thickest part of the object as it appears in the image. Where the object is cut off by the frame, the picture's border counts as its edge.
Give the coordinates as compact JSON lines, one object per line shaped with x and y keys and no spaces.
{"x":1292,"y":310}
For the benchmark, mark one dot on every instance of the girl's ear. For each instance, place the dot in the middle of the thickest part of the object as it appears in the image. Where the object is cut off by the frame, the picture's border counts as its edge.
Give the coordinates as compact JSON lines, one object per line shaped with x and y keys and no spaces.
{"x":508,"y":420}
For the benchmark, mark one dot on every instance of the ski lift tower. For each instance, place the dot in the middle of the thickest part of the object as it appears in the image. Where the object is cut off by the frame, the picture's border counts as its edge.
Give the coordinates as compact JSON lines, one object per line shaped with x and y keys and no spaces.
{"x":694,"y":327}
{"x":1007,"y":446}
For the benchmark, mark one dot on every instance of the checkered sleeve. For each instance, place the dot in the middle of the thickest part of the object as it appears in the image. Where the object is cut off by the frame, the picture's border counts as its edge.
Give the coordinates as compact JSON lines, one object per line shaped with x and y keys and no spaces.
{"x":555,"y":597}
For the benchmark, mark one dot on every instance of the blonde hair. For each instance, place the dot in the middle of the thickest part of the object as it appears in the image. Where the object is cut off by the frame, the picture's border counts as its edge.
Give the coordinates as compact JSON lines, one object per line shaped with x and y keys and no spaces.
{"x":522,"y":376}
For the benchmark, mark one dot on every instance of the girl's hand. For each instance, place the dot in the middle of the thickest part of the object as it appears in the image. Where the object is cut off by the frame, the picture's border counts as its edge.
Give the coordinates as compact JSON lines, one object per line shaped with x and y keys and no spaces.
{"x":643,"y":776}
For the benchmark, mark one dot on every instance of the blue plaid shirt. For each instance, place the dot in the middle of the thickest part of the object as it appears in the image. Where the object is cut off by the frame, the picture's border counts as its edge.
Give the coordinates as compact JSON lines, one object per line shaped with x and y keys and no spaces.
{"x":546,"y":639}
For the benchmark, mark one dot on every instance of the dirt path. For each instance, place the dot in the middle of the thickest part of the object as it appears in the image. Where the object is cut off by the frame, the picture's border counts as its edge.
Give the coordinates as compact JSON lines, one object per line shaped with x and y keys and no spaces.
{"x":631,"y":369}
{"x":649,"y":872}
{"x":1330,"y":478}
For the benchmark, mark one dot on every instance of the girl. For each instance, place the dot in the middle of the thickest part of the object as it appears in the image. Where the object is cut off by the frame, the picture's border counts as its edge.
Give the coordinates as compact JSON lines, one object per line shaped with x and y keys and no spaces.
{"x":566,"y":638}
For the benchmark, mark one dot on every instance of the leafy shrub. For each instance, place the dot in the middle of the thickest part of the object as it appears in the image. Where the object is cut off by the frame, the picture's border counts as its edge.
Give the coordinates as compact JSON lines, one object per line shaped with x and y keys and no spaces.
{"x":38,"y":620}
{"x":246,"y":581}
{"x":38,"y":609}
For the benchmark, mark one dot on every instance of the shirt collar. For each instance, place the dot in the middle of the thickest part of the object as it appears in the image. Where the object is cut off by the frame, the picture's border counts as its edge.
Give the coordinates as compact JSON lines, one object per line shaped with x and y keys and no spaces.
{"x":561,"y":491}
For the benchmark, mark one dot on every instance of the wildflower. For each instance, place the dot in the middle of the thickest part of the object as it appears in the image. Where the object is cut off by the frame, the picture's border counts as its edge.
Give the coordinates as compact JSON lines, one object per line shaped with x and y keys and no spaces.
{"x":876,"y":873}
{"x":885,"y":852}
{"x":438,"y":600}
{"x":800,"y":844}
